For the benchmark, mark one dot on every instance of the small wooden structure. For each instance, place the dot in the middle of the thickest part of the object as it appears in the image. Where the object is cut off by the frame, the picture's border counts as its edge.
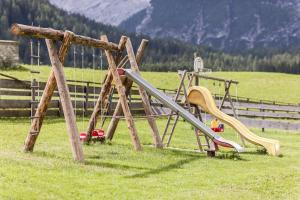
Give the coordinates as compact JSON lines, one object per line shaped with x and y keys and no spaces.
{"x":9,"y":53}
{"x":114,"y":54}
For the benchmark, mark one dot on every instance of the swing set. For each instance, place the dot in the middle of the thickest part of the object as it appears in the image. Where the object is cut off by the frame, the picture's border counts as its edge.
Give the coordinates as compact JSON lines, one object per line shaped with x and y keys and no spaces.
{"x":114,"y":78}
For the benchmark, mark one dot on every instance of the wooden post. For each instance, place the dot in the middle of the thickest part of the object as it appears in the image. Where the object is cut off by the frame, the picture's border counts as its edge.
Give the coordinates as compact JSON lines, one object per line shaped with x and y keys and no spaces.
{"x":105,"y":89}
{"x":66,"y":102}
{"x":46,"y":97}
{"x":123,"y":99}
{"x":33,"y":102}
{"x":86,"y":98}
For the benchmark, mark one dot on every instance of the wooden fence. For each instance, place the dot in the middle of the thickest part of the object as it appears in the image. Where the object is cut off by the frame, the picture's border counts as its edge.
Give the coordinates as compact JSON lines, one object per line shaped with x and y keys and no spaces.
{"x":254,"y":113}
{"x":20,"y":98}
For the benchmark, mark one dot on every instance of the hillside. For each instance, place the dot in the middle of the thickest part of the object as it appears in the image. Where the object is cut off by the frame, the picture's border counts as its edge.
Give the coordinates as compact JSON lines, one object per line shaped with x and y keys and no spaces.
{"x":230,"y":25}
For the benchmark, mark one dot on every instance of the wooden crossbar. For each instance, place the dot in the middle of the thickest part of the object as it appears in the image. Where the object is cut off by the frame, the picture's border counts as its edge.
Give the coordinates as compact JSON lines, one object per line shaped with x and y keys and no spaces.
{"x":49,"y":33}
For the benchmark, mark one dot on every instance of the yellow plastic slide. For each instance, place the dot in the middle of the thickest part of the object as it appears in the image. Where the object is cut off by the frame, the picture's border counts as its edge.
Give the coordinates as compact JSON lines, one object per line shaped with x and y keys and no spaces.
{"x":201,"y":96}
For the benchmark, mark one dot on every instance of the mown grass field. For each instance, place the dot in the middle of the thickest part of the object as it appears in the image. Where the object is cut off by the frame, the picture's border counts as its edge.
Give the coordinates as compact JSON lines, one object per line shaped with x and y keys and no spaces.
{"x":115,"y":171}
{"x":260,"y":85}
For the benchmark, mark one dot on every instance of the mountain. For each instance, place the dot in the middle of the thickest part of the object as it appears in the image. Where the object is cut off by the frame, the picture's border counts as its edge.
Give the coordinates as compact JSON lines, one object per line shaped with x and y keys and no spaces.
{"x":41,"y":13}
{"x":230,"y":25}
{"x":166,"y":54}
{"x":105,"y":11}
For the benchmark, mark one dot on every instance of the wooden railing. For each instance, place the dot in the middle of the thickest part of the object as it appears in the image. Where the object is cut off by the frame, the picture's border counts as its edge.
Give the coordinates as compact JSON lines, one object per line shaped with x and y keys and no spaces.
{"x":18,"y":99}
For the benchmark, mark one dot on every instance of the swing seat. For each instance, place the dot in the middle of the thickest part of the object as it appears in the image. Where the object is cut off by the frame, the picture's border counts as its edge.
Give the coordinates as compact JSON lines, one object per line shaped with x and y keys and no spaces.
{"x":98,"y":135}
{"x":83,"y":136}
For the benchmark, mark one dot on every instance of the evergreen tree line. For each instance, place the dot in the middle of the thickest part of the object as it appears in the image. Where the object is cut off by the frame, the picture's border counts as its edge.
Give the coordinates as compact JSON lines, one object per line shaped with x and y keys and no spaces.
{"x":161,"y":55}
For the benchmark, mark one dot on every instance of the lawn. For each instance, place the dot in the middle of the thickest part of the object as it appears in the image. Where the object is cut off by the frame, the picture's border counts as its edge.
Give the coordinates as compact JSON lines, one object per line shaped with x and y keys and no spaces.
{"x":115,"y":171}
{"x":259,"y":85}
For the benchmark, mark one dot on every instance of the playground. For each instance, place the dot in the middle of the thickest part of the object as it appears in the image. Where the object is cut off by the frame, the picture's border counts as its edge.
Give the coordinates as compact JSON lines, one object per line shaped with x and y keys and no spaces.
{"x":61,"y":158}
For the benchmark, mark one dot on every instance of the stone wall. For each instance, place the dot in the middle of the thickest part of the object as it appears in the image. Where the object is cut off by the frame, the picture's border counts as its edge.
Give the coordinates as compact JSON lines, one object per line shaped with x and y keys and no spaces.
{"x":9,"y":53}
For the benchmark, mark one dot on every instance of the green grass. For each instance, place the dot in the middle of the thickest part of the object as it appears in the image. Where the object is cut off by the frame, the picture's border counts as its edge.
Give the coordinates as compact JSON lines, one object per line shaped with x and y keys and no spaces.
{"x":260,"y":85}
{"x":117,"y":172}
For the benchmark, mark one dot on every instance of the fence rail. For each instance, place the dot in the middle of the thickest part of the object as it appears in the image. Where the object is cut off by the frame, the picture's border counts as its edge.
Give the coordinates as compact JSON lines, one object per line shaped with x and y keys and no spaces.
{"x":18,"y":98}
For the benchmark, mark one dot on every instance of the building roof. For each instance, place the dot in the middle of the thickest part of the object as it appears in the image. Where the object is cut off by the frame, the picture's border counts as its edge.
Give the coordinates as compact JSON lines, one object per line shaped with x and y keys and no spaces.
{"x":9,"y":42}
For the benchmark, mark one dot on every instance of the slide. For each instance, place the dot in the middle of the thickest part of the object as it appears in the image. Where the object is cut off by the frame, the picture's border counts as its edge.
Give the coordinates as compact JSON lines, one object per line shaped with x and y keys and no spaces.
{"x":201,"y":96}
{"x":168,"y":102}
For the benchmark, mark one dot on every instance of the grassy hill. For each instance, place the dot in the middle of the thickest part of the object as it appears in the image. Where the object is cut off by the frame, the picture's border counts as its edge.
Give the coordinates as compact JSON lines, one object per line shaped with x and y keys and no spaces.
{"x":260,"y":85}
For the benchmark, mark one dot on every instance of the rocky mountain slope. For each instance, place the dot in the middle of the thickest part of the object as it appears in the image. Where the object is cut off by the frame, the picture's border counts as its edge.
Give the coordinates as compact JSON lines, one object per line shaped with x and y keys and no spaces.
{"x":230,"y":25}
{"x":105,"y":11}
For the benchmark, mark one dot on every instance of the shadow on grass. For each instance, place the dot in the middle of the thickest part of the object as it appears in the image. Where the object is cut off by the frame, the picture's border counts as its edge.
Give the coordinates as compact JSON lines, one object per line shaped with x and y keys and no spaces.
{"x":114,"y":165}
{"x":166,"y":168}
{"x":45,"y":154}
{"x":230,"y":156}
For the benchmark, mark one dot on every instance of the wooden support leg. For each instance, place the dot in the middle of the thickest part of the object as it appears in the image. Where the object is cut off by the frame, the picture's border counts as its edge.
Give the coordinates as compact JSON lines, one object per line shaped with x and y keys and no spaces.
{"x":66,"y":102}
{"x":122,"y":95}
{"x":146,"y":103}
{"x":118,"y":110}
{"x":103,"y":95}
{"x":99,"y":104}
{"x":40,"y":113}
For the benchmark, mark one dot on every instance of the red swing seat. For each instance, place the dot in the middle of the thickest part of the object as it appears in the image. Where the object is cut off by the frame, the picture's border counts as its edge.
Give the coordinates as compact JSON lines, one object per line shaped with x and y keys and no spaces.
{"x":97,"y":135}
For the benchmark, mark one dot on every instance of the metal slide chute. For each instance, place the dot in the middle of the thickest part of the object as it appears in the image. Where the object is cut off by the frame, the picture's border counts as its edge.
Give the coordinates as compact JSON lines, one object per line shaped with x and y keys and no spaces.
{"x":168,"y":102}
{"x":202,"y":97}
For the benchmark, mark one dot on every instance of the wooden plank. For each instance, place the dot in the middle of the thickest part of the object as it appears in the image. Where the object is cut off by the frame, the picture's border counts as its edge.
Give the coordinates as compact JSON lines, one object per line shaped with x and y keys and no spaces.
{"x":15,"y":104}
{"x":65,"y":98}
{"x":250,"y":113}
{"x":122,"y":95}
{"x":23,"y":113}
{"x":259,"y":106}
{"x":13,"y":84}
{"x":49,"y":33}
{"x":18,"y":93}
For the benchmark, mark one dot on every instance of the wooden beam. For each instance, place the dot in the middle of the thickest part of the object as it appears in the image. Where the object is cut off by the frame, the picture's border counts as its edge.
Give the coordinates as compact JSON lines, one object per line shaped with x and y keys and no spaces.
{"x":102,"y":96}
{"x":215,"y":78}
{"x":65,"y":98}
{"x":118,"y":110}
{"x":123,"y":99}
{"x":49,"y":33}
{"x":40,"y":113}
